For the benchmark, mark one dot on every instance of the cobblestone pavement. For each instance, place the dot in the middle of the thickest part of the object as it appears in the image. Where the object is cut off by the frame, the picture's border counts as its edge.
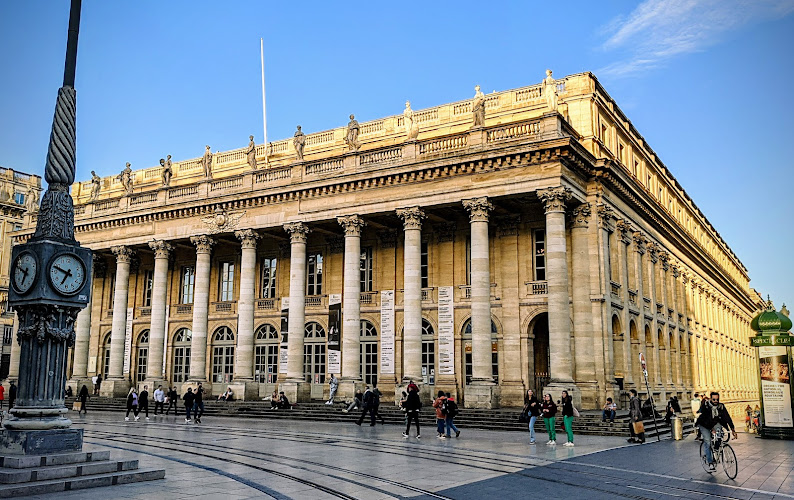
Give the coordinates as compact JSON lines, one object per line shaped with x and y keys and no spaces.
{"x":233,"y":458}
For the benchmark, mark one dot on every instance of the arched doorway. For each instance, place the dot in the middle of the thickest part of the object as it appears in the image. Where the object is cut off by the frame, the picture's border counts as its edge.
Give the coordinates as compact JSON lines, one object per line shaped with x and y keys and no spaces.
{"x":618,"y":357}
{"x":142,"y":356}
{"x":540,"y":347}
{"x":181,"y":355}
{"x":636,"y":371}
{"x":106,"y":356}
{"x":266,"y":354}
{"x":222,"y":355}
{"x":368,"y":353}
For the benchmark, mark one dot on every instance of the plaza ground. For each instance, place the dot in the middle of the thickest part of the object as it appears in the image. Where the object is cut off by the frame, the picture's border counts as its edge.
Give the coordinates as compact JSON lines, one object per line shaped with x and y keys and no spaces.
{"x":232,"y":458}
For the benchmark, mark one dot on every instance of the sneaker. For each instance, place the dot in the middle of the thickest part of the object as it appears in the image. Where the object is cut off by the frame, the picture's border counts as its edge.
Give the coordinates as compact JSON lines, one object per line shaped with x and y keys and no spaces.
{"x":531,"y":442}
{"x":569,"y":443}
{"x":198,"y":420}
{"x":126,"y":419}
{"x":136,"y":418}
{"x":712,"y":467}
{"x":344,"y":411}
{"x":554,"y":443}
{"x":405,"y":435}
{"x":147,"y":418}
{"x":418,"y":436}
{"x":358,"y":424}
{"x":187,"y":420}
{"x":442,"y":436}
{"x":457,"y":434}
{"x":548,"y":442}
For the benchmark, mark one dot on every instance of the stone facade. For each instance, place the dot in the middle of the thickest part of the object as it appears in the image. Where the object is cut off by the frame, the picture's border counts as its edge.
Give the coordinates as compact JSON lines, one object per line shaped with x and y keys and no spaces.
{"x":543,"y":249}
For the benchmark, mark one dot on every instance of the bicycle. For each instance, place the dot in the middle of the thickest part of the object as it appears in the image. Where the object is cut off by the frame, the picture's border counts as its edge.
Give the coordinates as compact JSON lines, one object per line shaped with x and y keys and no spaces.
{"x":723,"y":454}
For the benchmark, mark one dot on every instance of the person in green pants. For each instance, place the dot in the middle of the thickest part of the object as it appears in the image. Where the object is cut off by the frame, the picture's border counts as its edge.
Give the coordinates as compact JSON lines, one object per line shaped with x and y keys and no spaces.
{"x":567,"y":416}
{"x":549,"y":410}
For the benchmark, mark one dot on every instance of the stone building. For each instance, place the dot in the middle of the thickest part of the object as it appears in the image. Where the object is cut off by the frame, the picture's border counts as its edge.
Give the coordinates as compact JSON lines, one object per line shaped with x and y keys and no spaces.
{"x":546,"y":248}
{"x":19,"y":193}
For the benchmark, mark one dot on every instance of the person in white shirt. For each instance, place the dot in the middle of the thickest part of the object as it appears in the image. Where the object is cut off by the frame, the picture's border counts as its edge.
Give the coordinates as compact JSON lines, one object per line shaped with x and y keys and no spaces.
{"x":610,"y":409}
{"x":159,"y":399}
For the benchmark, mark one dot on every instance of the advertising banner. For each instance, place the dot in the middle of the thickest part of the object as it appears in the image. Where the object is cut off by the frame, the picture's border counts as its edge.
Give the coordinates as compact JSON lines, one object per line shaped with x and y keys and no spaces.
{"x":334,"y":329}
{"x":128,"y":342}
{"x":165,"y":337}
{"x":387,"y":332}
{"x":446,"y":331}
{"x":775,"y":386}
{"x":282,"y":353}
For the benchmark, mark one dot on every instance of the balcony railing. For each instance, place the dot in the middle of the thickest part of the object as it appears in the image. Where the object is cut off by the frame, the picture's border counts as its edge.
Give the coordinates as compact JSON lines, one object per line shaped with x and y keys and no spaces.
{"x":224,"y":307}
{"x":368,"y":298}
{"x":537,"y":287}
{"x":614,"y":289}
{"x":427,"y":294}
{"x":313,"y":301}
{"x":184,"y":308}
{"x":266,"y":304}
{"x":109,"y":313}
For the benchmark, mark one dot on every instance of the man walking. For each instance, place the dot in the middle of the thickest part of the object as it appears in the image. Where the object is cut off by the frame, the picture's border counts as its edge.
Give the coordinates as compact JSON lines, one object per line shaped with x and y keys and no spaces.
{"x":188,"y":398}
{"x":198,"y":404}
{"x":172,"y":398}
{"x":159,"y":399}
{"x":635,"y":419}
{"x":97,"y":384}
{"x":376,"y":394}
{"x":143,"y":401}
{"x":368,"y":407}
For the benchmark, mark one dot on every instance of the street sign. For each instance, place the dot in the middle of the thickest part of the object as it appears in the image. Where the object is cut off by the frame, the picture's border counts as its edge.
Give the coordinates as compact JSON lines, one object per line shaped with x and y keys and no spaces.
{"x":643,"y":364}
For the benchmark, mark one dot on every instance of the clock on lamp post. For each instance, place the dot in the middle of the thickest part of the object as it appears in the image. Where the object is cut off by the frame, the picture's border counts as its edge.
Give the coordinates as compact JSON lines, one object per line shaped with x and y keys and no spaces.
{"x":49,"y":272}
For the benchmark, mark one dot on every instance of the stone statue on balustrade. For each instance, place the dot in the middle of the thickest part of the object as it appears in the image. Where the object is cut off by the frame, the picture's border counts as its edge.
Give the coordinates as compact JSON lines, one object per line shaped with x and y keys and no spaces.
{"x":251,"y":153}
{"x":32,"y":200}
{"x":478,"y":107}
{"x":550,"y":91}
{"x":206,"y":162}
{"x":168,"y":171}
{"x":299,"y":142}
{"x":352,"y":134}
{"x":411,"y":128}
{"x":96,"y":185}
{"x":126,"y":178}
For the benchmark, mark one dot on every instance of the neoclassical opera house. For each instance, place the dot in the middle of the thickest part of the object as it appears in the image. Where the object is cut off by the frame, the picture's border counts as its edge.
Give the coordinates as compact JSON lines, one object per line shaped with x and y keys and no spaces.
{"x":529,"y":238}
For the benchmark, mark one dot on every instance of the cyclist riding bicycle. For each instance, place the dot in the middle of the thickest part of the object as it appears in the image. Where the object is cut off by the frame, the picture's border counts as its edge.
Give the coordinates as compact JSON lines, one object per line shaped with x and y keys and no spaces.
{"x":713,"y":417}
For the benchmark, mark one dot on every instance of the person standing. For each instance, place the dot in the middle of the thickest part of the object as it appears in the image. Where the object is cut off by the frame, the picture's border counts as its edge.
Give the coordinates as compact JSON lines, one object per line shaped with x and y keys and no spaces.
{"x":132,"y":404}
{"x":143,"y":400}
{"x":83,"y":395}
{"x":12,"y":395}
{"x":549,"y":410}
{"x":450,"y":412}
{"x":188,"y":398}
{"x":333,"y":385}
{"x":567,"y":416}
{"x":2,"y":396}
{"x":159,"y":399}
{"x":412,"y":406}
{"x":368,"y":407}
{"x":635,"y":416}
{"x":438,"y":404}
{"x":98,"y":384}
{"x":198,"y":403}
{"x":532,"y":407}
{"x":172,"y":398}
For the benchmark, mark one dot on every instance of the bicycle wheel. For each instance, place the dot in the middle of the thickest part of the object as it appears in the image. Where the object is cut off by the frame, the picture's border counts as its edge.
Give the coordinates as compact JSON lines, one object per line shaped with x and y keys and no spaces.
{"x":703,"y":461}
{"x":729,"y":462}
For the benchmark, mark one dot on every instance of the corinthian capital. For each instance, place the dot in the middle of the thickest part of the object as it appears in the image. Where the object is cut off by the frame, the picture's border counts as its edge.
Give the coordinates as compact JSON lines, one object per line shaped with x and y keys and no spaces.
{"x":298,"y":232}
{"x":639,"y":242}
{"x":352,"y":224}
{"x":203,"y":243}
{"x":478,"y":209}
{"x":664,"y":257}
{"x":554,"y":198}
{"x":248,"y":238}
{"x":581,"y":215}
{"x":162,"y":249}
{"x":653,"y":251}
{"x":676,"y":269}
{"x":123,"y":254}
{"x":626,"y":231}
{"x":412,"y":217}
{"x":605,"y":217}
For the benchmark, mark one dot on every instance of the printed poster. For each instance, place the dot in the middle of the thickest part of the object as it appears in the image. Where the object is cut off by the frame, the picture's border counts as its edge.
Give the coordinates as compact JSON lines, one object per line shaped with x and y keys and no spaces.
{"x":387,"y":332}
{"x":283,"y":355}
{"x":334,"y":337}
{"x":446,"y":331}
{"x":128,"y":342}
{"x":775,"y":386}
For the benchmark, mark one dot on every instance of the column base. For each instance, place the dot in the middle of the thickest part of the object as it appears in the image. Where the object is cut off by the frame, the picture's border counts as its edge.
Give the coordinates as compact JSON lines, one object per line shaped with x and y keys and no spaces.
{"x":347,"y":389}
{"x":556,"y":388}
{"x":481,"y":395}
{"x":511,"y":394}
{"x":40,"y":442}
{"x":588,"y":396}
{"x":296,"y":392}
{"x":246,"y":390}
{"x":36,"y":418}
{"x":114,"y":388}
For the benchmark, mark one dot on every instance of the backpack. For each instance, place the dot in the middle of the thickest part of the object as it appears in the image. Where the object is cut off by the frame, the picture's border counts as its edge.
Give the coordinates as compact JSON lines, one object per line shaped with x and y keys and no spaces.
{"x":449,"y":408}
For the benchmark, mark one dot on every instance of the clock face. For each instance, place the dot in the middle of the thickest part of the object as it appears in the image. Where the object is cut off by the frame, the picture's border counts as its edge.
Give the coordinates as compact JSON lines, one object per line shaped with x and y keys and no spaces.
{"x":25,"y":271}
{"x":67,"y":274}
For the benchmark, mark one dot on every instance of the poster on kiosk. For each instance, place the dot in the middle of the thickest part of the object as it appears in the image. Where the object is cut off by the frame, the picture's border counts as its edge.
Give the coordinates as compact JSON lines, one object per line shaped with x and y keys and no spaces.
{"x":775,"y":374}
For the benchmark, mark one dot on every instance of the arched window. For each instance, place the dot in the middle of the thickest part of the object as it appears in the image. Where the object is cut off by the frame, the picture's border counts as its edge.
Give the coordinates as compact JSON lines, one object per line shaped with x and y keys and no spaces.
{"x":428,"y":353}
{"x":222,"y":355}
{"x":314,"y":353}
{"x":142,"y":358}
{"x":266,"y":345}
{"x":368,"y":353}
{"x":106,"y":357}
{"x":467,"y":351}
{"x":181,"y":348}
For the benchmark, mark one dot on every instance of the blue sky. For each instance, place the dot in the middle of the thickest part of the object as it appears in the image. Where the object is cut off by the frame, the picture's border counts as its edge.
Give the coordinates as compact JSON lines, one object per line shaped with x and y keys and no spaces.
{"x":705,"y":82}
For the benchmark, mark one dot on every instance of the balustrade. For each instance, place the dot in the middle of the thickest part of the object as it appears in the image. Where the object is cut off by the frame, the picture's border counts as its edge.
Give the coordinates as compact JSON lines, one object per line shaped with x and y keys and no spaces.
{"x":537,"y":287}
{"x":224,"y":307}
{"x":273,"y":175}
{"x":229,"y":183}
{"x":513,"y":131}
{"x":189,"y":165}
{"x":633,"y":298}
{"x":368,"y":298}
{"x":381,"y":156}
{"x":320,"y":138}
{"x":323,"y":167}
{"x":106,"y":205}
{"x":313,"y":301}
{"x":144,"y":311}
{"x":445,"y":144}
{"x":184,"y":308}
{"x":266,"y":304}
{"x":140,"y":199}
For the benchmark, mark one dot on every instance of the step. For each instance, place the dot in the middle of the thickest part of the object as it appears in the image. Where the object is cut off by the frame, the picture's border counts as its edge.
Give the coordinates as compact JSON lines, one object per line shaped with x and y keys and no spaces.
{"x":65,"y":471}
{"x":24,"y":461}
{"x":92,"y":481}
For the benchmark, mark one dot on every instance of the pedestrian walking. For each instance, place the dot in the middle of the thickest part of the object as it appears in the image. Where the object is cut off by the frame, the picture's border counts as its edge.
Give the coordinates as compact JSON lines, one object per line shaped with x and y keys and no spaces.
{"x":171,"y":400}
{"x":412,"y":406}
{"x":450,"y":412}
{"x":83,"y":395}
{"x":12,"y":394}
{"x":188,"y":398}
{"x":548,"y":409}
{"x":440,"y":417}
{"x":333,"y":385}
{"x":159,"y":399}
{"x":132,"y":404}
{"x":143,"y":401}
{"x":636,"y":427}
{"x":97,"y":384}
{"x":532,"y":407}
{"x":368,"y":407}
{"x":376,"y":395}
{"x":2,"y":396}
{"x":198,"y":403}
{"x":568,"y":413}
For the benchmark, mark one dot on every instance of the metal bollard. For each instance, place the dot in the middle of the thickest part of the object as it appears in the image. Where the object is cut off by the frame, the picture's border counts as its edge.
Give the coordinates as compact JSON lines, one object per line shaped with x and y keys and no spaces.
{"x":677,"y":426}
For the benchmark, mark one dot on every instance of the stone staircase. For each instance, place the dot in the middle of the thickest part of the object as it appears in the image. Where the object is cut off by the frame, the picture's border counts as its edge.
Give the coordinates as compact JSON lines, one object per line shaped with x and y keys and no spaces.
{"x":502,"y":419}
{"x":33,"y":475}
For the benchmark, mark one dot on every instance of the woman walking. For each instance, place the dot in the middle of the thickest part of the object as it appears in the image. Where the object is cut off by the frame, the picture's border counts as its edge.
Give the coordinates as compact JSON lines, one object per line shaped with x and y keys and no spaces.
{"x":567,"y":416}
{"x":412,"y":406}
{"x":83,"y":395}
{"x":438,"y":404}
{"x":532,"y":407}
{"x":132,"y":404}
{"x":549,"y":410}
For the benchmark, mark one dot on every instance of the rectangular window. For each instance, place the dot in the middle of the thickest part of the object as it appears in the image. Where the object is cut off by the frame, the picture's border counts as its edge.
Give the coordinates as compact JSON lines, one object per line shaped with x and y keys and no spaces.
{"x":425,"y":270}
{"x":368,"y":361}
{"x":19,"y":198}
{"x":112,"y":289}
{"x":429,"y":361}
{"x":7,"y":334}
{"x":143,"y":360}
{"x":314,"y":275}
{"x":266,"y":363}
{"x":226,"y":285}
{"x":181,"y":363}
{"x":148,"y":284}
{"x":622,"y":153}
{"x":188,"y":280}
{"x":268,"y":278}
{"x":366,"y":269}
{"x":540,"y":255}
{"x":636,"y":167}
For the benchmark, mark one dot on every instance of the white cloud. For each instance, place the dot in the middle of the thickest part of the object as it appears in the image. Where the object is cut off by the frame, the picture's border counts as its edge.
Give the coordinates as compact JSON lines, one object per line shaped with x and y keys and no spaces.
{"x":658,"y":30}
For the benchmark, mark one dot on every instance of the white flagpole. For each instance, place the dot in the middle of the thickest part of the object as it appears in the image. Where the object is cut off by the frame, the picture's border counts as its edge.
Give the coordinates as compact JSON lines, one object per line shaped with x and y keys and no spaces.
{"x":264,"y":113}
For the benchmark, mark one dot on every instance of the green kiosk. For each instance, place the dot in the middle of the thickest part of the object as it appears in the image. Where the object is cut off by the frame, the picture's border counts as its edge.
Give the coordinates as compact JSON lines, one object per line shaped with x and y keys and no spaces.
{"x":774,"y":342}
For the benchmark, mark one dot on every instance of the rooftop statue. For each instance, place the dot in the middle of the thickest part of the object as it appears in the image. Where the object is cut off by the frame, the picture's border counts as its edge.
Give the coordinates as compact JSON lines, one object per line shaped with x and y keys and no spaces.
{"x":411,"y":129}
{"x":251,"y":153}
{"x":478,"y":107}
{"x":206,"y":162}
{"x":96,"y":185}
{"x":352,"y":134}
{"x":32,"y":200}
{"x":550,"y":91}
{"x":126,"y":178}
{"x":168,"y":171}
{"x":299,"y":142}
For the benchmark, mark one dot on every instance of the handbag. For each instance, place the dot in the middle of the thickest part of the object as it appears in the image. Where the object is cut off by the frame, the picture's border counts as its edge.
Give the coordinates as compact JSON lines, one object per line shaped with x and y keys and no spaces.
{"x":523,"y":417}
{"x":575,"y":412}
{"x":639,"y":427}
{"x":77,"y":406}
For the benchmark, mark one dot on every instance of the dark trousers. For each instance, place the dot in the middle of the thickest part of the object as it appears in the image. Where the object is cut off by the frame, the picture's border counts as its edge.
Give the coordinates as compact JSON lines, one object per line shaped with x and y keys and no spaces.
{"x":640,"y":436}
{"x":378,"y":415}
{"x":156,"y":405}
{"x":82,"y":406}
{"x":187,"y":412}
{"x":198,"y":409}
{"x":412,"y":415}
{"x":371,"y":411}
{"x":145,"y":408}
{"x":134,"y":410}
{"x":171,"y":404}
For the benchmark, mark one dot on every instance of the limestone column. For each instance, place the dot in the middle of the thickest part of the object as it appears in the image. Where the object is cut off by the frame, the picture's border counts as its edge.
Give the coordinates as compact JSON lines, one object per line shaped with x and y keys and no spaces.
{"x":605,"y":359}
{"x":625,"y":232}
{"x":639,"y":251}
{"x":583,"y":338}
{"x":116,"y":385}
{"x":295,"y":386}
{"x":412,"y":294}
{"x":82,"y":331}
{"x":656,"y":357}
{"x":201,"y":305}
{"x":560,"y":351}
{"x":673,"y":284}
{"x":244,"y":353}
{"x":351,"y":306}
{"x":154,"y":368}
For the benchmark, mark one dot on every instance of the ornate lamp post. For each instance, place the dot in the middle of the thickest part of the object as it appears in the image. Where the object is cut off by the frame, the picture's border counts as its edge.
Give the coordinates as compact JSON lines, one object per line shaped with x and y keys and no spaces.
{"x":50,"y":284}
